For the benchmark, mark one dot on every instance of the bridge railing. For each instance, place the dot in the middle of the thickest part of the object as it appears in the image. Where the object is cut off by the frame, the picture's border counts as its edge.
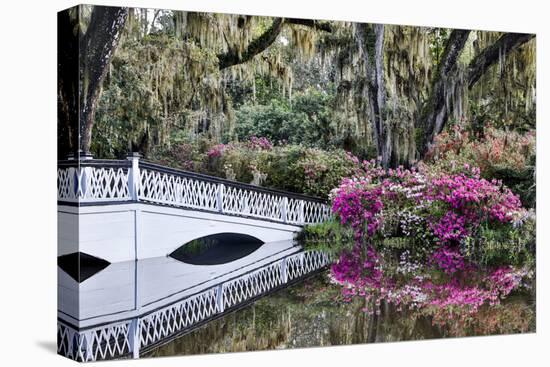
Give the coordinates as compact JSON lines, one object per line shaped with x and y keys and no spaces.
{"x":92,"y":181}
{"x":132,"y":336}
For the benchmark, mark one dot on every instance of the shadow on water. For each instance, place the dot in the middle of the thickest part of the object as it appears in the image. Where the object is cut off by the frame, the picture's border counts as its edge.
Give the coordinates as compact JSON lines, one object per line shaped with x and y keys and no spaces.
{"x":310,"y":315}
{"x":81,"y":266}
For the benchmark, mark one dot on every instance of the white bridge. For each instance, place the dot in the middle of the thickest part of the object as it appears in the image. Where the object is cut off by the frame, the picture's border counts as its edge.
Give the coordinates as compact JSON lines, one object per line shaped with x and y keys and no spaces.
{"x":129,"y":215}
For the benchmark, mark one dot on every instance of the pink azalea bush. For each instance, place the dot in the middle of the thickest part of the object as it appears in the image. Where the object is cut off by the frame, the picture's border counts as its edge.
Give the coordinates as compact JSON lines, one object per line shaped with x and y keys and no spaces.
{"x":499,"y":153}
{"x":262,"y":143}
{"x":435,"y":215}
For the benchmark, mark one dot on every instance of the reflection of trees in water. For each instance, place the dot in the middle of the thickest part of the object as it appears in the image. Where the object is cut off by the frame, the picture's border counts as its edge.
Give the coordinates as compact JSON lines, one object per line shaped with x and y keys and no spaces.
{"x":307,"y":315}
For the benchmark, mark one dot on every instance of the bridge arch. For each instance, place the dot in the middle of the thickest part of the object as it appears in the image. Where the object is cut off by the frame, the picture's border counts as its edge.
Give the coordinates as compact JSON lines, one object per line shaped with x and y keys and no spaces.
{"x":217,"y":249}
{"x":165,"y":229}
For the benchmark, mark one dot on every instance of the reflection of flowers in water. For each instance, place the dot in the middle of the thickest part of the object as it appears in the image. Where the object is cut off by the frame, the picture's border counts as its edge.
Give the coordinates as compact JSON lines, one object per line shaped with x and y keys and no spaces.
{"x":448,"y":259}
{"x":467,"y":292}
{"x":406,"y":266}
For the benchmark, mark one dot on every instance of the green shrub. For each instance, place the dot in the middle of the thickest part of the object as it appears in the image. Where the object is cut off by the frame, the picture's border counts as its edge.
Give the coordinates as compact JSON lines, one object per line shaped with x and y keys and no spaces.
{"x":330,"y":237}
{"x":288,"y":167}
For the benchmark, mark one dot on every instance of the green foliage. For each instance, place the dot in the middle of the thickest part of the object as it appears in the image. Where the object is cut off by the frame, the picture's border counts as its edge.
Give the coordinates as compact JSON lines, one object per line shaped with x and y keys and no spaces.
{"x":318,"y":171}
{"x":330,"y":237}
{"x":305,"y":120}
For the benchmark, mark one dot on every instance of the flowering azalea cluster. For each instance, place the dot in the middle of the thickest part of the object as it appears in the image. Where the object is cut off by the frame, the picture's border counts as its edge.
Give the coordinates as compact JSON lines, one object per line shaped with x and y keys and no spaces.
{"x":451,"y":208}
{"x":216,"y":151}
{"x":451,"y":227}
{"x":359,"y":204}
{"x":254,"y":142}
{"x":467,"y":201}
{"x":470,"y":200}
{"x":261,"y":143}
{"x":496,"y":148}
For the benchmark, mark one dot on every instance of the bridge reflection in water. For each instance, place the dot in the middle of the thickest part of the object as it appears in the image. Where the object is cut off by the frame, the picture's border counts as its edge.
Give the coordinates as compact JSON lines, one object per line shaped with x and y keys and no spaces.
{"x":132,"y":219}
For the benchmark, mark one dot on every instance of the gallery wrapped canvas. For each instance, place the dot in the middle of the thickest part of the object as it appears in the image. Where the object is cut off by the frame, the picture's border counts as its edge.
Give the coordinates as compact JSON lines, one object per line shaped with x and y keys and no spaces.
{"x":236,"y":183}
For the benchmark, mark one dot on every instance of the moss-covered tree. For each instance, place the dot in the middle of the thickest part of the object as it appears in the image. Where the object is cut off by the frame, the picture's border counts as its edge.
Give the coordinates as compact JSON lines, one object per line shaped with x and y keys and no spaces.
{"x":393,"y":88}
{"x":87,"y":40}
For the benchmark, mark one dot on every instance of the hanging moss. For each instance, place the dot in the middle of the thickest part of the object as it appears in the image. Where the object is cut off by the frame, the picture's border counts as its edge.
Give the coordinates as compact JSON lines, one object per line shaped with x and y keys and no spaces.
{"x":506,"y":93}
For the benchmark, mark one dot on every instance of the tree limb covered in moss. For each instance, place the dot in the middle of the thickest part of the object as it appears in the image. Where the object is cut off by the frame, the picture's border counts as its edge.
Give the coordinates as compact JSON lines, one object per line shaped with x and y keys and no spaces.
{"x":312,"y":23}
{"x":266,"y":39}
{"x":258,"y":45}
{"x":438,"y":109}
{"x":489,"y":56}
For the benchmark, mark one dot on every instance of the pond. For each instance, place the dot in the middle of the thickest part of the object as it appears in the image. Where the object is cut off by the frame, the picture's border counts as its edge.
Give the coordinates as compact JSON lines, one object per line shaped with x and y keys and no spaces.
{"x":312,"y":314}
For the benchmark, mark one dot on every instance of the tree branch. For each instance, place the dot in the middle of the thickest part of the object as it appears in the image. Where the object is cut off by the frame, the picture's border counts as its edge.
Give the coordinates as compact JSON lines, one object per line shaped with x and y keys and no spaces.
{"x":489,"y":56}
{"x":315,"y":24}
{"x":260,"y":44}
{"x":68,"y":34}
{"x":266,"y":39}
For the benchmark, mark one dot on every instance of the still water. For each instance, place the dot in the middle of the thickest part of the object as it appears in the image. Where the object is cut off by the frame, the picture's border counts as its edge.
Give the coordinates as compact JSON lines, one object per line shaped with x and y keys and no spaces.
{"x":311,"y":314}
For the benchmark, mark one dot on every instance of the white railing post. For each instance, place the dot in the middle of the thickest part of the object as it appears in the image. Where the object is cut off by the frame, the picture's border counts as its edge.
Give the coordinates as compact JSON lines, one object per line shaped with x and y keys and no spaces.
{"x":85,"y":183}
{"x":133,"y":337}
{"x":219,"y":298}
{"x":219,"y":197}
{"x":88,"y":347}
{"x":133,"y":176}
{"x":284,"y":209}
{"x":284,"y":273}
{"x":302,"y":212}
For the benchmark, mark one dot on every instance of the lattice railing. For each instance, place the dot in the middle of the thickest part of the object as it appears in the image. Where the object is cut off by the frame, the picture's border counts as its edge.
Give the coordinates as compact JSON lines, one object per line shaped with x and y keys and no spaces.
{"x":100,"y":180}
{"x":170,"y":189}
{"x":161,"y":185}
{"x":304,"y":263}
{"x":251,"y":203}
{"x":169,"y":320}
{"x":129,"y":336}
{"x":93,"y":181}
{"x":253,"y":284}
{"x":105,"y":342}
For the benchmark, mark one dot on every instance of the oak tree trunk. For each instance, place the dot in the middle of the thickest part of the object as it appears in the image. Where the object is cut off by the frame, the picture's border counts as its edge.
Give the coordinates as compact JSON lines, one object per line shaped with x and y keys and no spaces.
{"x":371,"y":41}
{"x":436,"y":110}
{"x":67,"y":82}
{"x":97,"y":47}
